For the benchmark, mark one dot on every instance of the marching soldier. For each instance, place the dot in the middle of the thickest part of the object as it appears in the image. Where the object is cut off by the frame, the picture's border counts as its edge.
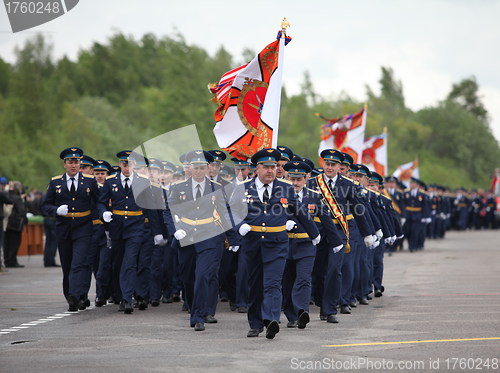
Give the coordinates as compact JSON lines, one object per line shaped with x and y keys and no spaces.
{"x":286,"y":156}
{"x":301,"y":254}
{"x":197,"y":208}
{"x":264,"y":238}
{"x":70,"y":197}
{"x":416,"y":213}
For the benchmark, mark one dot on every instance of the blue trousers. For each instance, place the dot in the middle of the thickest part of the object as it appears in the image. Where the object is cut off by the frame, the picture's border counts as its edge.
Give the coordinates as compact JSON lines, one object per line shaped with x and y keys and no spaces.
{"x":73,"y":256}
{"x":125,"y":253}
{"x":332,"y":283}
{"x":378,"y":265}
{"x":156,"y":272}
{"x":297,"y":286}
{"x":104,"y":273}
{"x":143,"y":273}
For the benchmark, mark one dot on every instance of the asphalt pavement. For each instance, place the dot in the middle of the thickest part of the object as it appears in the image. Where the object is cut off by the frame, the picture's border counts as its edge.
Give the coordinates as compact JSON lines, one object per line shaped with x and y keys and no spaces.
{"x":440,"y":312}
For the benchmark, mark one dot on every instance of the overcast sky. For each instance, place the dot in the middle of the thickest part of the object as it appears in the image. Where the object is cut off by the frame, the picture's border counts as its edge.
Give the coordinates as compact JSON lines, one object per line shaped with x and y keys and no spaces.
{"x":430,"y":44}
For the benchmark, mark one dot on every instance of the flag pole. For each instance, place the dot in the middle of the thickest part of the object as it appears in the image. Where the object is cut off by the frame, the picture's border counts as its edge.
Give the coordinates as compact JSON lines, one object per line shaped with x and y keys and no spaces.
{"x":284,"y":25}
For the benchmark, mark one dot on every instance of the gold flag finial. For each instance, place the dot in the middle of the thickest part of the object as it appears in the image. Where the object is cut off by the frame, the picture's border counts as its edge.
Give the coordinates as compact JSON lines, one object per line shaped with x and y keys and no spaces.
{"x":284,"y":24}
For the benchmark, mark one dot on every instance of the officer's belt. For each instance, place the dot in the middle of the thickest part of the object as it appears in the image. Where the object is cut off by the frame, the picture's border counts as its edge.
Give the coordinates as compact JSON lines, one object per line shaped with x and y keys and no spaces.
{"x":462,"y":205}
{"x":77,"y":214}
{"x":264,"y":229}
{"x":434,"y":206}
{"x":298,"y":235}
{"x":197,"y":222}
{"x":348,"y":217}
{"x":413,"y":208}
{"x":96,"y":221}
{"x":127,"y":213}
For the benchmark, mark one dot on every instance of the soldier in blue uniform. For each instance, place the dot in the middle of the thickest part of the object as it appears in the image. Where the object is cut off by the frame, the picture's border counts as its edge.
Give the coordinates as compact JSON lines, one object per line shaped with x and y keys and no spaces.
{"x":301,"y":254}
{"x":351,"y":215}
{"x":70,"y":197}
{"x":397,"y":199}
{"x":101,"y":238}
{"x":118,"y":206}
{"x":416,"y":214}
{"x":197,"y":209}
{"x":462,"y":206}
{"x":286,"y":156}
{"x":265,"y":239}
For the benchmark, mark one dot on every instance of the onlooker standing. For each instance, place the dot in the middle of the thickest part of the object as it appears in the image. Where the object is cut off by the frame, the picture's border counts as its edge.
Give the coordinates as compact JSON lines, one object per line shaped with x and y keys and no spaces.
{"x":15,"y":225}
{"x":4,"y":199}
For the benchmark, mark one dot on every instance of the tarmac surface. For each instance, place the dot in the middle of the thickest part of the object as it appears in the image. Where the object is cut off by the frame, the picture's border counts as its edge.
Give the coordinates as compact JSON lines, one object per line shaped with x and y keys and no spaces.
{"x":440,"y":312}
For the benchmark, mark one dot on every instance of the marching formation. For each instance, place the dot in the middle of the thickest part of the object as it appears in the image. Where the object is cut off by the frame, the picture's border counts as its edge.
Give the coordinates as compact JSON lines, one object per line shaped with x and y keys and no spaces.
{"x":270,"y":234}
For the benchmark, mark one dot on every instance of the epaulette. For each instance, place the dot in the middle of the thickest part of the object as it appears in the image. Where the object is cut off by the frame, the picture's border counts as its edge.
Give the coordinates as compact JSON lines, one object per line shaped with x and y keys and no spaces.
{"x":57,"y":177}
{"x":345,"y":177}
{"x":312,"y":190}
{"x":110,"y":177}
{"x":144,"y":177}
{"x":373,"y":191}
{"x":89,"y":176}
{"x":178,"y":182}
{"x":215,"y":182}
{"x":156,"y":185}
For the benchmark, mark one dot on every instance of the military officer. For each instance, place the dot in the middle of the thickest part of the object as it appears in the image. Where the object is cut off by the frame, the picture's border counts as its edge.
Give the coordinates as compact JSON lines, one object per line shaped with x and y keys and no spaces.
{"x":301,"y":254}
{"x":265,"y":240}
{"x":70,"y":197}
{"x":286,"y":156}
{"x":197,"y":208}
{"x":416,"y":213}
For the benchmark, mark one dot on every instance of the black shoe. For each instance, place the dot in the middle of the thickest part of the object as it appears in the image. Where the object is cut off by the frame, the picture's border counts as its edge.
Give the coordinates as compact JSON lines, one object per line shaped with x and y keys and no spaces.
{"x":122,"y":307}
{"x":166,"y":299}
{"x":292,"y":324}
{"x":51,"y":265}
{"x":185,"y":307}
{"x":99,"y":302}
{"x":242,"y":310}
{"x":209,"y":319}
{"x":272,"y":329}
{"x":74,"y":303}
{"x":364,"y":302}
{"x":142,"y":305}
{"x":322,"y":317}
{"x":232,"y":307}
{"x":127,"y":308}
{"x":176,"y":298}
{"x":378,"y":293}
{"x":332,"y":319}
{"x":368,"y":297}
{"x":84,"y":303}
{"x":199,"y":327}
{"x":254,"y":332}
{"x":353,"y":304}
{"x":17,"y":265}
{"x":345,"y":309}
{"x":303,"y":320}
{"x":224,"y":299}
{"x":382,"y":289}
{"x":155,"y":303}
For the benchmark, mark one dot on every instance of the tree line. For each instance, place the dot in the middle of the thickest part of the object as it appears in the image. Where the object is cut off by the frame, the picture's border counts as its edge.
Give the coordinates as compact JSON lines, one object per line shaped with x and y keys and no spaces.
{"x":123,"y":92}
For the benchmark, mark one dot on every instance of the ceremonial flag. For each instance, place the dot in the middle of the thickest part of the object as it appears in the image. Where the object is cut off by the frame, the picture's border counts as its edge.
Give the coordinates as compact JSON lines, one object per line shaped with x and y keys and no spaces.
{"x":375,"y":154}
{"x":345,"y":133}
{"x":249,"y":99}
{"x":406,"y":171}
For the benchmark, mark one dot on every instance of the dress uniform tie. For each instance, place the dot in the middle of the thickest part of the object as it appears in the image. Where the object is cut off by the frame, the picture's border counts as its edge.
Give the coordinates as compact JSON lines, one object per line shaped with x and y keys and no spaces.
{"x":265,"y":196}
{"x":126,"y":185}
{"x":330,"y":184}
{"x":73,"y":188}
{"x":198,"y":192}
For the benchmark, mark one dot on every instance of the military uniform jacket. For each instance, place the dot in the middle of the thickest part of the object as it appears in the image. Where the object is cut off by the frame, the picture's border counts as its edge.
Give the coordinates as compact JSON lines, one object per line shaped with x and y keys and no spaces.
{"x":206,"y":221}
{"x":347,"y":195}
{"x":129,"y":216}
{"x":302,"y":247}
{"x":398,"y":199}
{"x":282,"y":205}
{"x":416,"y":207}
{"x":72,"y":225}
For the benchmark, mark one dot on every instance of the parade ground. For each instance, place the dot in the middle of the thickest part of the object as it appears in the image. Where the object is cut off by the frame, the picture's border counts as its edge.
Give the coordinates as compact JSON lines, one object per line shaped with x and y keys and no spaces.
{"x":440,"y":312}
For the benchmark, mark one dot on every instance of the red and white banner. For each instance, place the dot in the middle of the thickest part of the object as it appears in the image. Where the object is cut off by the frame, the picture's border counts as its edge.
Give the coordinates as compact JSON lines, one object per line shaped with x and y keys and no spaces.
{"x":249,"y":99}
{"x":406,"y":171}
{"x":375,"y":154}
{"x":346,"y":134}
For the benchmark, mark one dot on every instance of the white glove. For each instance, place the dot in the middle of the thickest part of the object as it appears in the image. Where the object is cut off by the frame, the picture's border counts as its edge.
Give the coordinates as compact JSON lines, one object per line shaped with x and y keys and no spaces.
{"x":336,"y":249}
{"x":244,"y":229}
{"x":290,"y":224}
{"x":107,"y":216}
{"x":388,"y":241}
{"x":158,"y":239}
{"x":29,"y":215}
{"x":62,"y":210}
{"x":393,"y":239}
{"x":234,"y":248}
{"x":423,"y":220}
{"x":403,"y":221}
{"x":176,"y":218}
{"x":375,"y":238}
{"x":180,"y":234}
{"x":316,"y":240}
{"x":379,"y":234}
{"x":400,"y":237}
{"x":375,"y":244}
{"x":433,"y":212}
{"x":368,"y":241}
{"x":428,"y":220}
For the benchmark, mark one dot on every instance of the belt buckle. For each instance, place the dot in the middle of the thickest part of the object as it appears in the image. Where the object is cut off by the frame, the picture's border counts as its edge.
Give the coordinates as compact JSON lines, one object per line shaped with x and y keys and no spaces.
{"x":295,"y":235}
{"x":264,"y":229}
{"x":195,"y":222}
